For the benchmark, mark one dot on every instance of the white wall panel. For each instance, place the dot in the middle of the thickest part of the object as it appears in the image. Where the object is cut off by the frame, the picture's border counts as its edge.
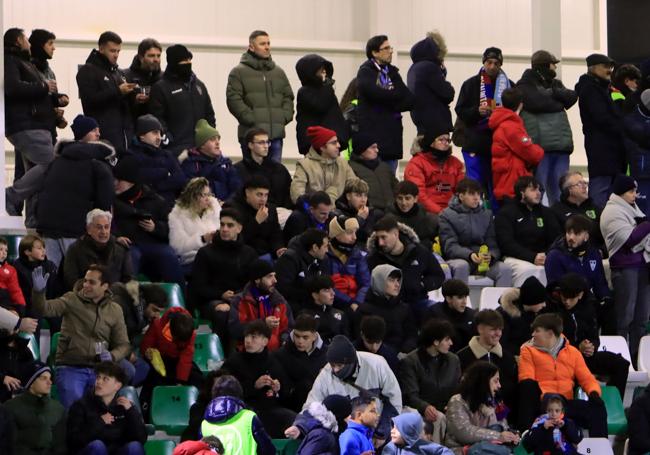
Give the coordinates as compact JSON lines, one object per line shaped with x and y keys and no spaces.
{"x":216,"y":31}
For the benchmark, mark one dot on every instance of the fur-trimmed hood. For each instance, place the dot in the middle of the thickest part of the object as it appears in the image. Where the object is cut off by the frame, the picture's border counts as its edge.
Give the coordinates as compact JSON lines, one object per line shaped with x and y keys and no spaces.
{"x":323,"y":415}
{"x":404,"y":232}
{"x":76,"y":150}
{"x":508,"y":302}
{"x":479,"y":351}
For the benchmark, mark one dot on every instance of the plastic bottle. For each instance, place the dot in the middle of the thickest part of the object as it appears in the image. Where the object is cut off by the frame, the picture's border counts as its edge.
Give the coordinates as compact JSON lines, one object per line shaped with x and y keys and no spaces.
{"x":483,"y":266}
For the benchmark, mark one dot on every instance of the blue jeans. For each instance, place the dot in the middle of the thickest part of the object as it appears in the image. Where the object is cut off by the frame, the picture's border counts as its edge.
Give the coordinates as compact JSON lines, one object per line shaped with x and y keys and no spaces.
{"x":72,"y":383}
{"x":479,"y":168}
{"x":97,"y":447}
{"x":600,"y":189}
{"x":158,"y":261}
{"x":549,"y":171}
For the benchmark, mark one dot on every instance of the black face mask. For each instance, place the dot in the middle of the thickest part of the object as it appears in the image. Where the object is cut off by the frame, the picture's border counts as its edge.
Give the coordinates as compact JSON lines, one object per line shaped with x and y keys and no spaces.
{"x":342,"y":247}
{"x":184,"y":71}
{"x":441,"y":154}
{"x":346,"y":372}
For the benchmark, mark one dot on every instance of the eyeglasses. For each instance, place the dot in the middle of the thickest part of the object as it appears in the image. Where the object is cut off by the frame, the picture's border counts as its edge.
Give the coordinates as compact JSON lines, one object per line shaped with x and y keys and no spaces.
{"x":443,"y":139}
{"x":262,"y":142}
{"x":581,"y":183}
{"x":386,"y":48}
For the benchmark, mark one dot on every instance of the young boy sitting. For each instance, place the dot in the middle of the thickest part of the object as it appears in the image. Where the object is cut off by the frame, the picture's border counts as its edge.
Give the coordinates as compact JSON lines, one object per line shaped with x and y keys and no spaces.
{"x":552,"y":433}
{"x":513,"y":152}
{"x":455,"y":310}
{"x":406,"y":437}
{"x":357,"y":438}
{"x":331,"y":321}
{"x":10,"y":292}
{"x":408,"y":210}
{"x":170,"y":339}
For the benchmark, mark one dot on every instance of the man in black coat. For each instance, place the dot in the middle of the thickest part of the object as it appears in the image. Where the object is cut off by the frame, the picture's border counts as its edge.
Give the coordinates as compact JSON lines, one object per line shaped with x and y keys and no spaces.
{"x":260,"y":218}
{"x":29,"y":108}
{"x":141,"y":221}
{"x":78,"y":180}
{"x":259,"y":163}
{"x":144,"y":71}
{"x":304,"y":259}
{"x":302,"y":357}
{"x":313,"y":211}
{"x":601,"y":126}
{"x":382,"y":96}
{"x":455,"y":310}
{"x":427,"y":80}
{"x":105,"y":93}
{"x":104,"y":422}
{"x":396,"y":244}
{"x":220,"y":271}
{"x":316,"y":102}
{"x":180,"y":99}
{"x":525,"y":231}
{"x":479,"y":96}
{"x":486,"y":346}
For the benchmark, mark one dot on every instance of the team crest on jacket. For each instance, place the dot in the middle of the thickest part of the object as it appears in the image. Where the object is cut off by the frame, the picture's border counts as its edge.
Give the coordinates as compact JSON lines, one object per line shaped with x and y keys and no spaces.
{"x":540,"y":222}
{"x":592,"y":264}
{"x":591,"y":214}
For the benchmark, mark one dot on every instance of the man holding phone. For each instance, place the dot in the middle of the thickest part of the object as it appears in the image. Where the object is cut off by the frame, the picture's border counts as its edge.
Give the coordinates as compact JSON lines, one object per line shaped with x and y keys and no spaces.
{"x":140,"y":224}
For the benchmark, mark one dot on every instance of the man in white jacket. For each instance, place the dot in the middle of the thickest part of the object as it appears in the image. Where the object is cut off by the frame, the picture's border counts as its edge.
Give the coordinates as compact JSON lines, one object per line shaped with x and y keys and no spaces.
{"x":351,"y":373}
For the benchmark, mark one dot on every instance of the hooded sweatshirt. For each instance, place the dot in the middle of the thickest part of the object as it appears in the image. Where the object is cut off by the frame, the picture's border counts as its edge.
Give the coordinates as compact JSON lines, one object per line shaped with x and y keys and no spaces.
{"x":410,"y":426}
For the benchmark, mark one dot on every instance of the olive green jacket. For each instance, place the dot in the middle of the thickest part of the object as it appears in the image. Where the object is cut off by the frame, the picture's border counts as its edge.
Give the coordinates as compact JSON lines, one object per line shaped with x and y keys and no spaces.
{"x":258,"y":94}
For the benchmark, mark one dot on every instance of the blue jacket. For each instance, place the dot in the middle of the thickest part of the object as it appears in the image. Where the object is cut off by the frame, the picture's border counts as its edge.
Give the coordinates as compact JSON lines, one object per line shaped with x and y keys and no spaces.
{"x":637,"y":142}
{"x":410,"y":426}
{"x":588,"y":263}
{"x":356,"y":439}
{"x":224,"y":408}
{"x":220,"y":172}
{"x":318,"y":426}
{"x":356,"y":267}
{"x":158,"y":169}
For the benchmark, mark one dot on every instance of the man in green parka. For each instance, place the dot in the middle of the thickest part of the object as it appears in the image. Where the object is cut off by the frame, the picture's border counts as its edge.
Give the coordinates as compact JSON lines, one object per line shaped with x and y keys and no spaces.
{"x":258,"y":94}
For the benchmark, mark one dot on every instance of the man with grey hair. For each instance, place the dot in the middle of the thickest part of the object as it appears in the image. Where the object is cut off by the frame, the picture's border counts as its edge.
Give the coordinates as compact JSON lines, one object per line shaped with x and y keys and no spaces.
{"x":97,"y":246}
{"x":258,"y":94}
{"x":574,"y":199}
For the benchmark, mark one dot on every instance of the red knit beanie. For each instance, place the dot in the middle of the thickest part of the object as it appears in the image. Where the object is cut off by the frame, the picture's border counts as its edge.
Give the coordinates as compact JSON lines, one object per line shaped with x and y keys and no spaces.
{"x":319,"y":136}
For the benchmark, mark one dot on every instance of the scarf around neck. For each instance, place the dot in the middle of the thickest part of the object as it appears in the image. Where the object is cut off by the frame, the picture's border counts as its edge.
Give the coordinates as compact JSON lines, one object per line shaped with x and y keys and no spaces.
{"x":491,"y":91}
{"x":383,"y":79}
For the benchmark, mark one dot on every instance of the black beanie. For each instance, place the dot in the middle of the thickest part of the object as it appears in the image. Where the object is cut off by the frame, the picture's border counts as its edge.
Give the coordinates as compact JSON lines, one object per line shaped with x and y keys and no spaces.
{"x":127,"y":169}
{"x":31,"y":371}
{"x":532,"y":292}
{"x":338,"y":405}
{"x":623,"y":184}
{"x":146,"y":123}
{"x":361,"y":141}
{"x":431,"y":134}
{"x":259,"y":269}
{"x":341,"y":350}
{"x":493,"y":52}
{"x":177,"y":53}
{"x":82,"y":125}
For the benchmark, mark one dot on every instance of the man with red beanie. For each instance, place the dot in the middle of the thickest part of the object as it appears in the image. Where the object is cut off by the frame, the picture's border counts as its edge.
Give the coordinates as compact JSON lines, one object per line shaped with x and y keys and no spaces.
{"x":322,"y":169}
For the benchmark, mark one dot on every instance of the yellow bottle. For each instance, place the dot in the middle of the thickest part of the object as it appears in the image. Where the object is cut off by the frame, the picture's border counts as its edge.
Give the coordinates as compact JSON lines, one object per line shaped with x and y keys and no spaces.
{"x":483,"y":266}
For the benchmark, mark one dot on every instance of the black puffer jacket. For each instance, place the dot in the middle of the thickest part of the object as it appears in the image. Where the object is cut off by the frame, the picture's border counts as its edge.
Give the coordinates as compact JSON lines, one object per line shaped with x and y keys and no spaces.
{"x":424,"y":224}
{"x":102,"y":100}
{"x":135,"y":204}
{"x":316,"y":103}
{"x":380,"y":110}
{"x":78,"y":180}
{"x":278,"y":176}
{"x":13,"y":360}
{"x":401,"y":329}
{"x":427,"y":81}
{"x":28,"y":105}
{"x":179,"y":105}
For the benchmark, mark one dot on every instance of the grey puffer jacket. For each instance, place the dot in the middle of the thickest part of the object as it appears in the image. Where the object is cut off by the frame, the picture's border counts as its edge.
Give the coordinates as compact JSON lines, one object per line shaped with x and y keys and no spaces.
{"x":464,"y":230}
{"x":465,"y":427}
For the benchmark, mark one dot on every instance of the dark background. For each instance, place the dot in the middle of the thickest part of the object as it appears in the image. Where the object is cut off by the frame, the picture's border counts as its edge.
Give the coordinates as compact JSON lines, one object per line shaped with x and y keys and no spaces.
{"x":628,"y":30}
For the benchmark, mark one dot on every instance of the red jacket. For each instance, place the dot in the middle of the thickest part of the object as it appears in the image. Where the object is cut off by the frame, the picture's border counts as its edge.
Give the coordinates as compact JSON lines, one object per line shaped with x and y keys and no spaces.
{"x":436,"y":180}
{"x":158,"y":336}
{"x":194,"y":448}
{"x":249,"y":309}
{"x":513,"y":152}
{"x":9,"y":282}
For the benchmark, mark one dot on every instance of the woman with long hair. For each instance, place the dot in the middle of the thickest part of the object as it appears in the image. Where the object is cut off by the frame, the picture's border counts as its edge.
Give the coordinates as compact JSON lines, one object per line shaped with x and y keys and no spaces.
{"x":475,"y":416}
{"x":194,"y":220}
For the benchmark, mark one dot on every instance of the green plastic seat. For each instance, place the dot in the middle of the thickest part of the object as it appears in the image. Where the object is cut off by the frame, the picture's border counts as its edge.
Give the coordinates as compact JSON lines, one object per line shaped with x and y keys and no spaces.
{"x":198,"y":320}
{"x":286,"y":446}
{"x":54,"y":342}
{"x":159,"y":447}
{"x":616,"y":420}
{"x":519,"y":450}
{"x":132,"y":394}
{"x":170,"y":407}
{"x":32,"y":345}
{"x":207,"y":346}
{"x":174,"y":293}
{"x":12,"y":246}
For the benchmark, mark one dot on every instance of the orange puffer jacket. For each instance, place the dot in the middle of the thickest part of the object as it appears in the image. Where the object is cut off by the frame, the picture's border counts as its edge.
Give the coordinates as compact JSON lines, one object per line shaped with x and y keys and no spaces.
{"x":556,"y":375}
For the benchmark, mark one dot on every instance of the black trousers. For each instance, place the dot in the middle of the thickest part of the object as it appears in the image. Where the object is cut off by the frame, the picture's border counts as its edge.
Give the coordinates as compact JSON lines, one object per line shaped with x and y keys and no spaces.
{"x":614,"y":366}
{"x":586,"y":414}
